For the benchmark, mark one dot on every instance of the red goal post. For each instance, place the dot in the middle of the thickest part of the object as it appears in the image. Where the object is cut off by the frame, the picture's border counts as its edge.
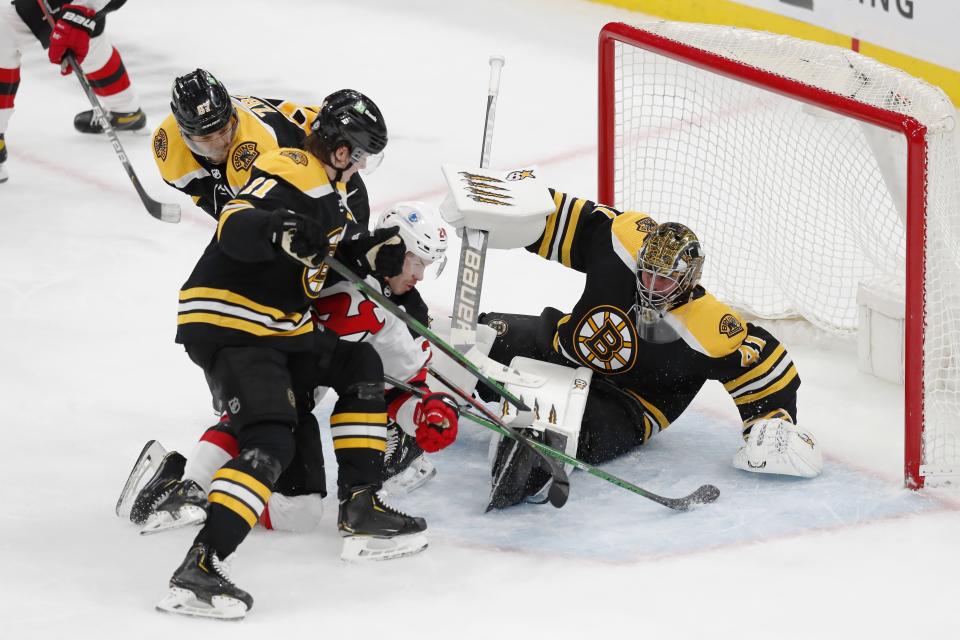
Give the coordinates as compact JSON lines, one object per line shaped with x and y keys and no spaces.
{"x":845,"y":165}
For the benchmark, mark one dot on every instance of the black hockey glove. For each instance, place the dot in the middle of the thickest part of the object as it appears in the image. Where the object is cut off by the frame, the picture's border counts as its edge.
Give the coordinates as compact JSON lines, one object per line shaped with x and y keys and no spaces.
{"x":381,"y":252}
{"x":300,"y":237}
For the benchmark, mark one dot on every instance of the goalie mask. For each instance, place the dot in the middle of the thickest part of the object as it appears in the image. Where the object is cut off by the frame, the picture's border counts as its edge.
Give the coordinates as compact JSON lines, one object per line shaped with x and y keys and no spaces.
{"x":668,"y":268}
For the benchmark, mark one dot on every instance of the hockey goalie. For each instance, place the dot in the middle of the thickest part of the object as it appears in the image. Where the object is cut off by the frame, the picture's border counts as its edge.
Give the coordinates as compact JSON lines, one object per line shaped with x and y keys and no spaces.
{"x":631,"y":355}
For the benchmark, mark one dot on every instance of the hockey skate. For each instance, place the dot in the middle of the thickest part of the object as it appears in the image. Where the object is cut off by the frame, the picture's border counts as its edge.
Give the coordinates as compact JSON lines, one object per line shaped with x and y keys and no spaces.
{"x":201,"y":586}
{"x":186,"y":505}
{"x":373,"y":530}
{"x":144,"y":468}
{"x":87,"y":122}
{"x":158,"y":487}
{"x":406,"y":467}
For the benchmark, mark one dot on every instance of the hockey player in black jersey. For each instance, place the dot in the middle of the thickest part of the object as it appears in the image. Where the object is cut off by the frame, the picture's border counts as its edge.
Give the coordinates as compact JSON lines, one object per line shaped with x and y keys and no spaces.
{"x":651,"y":336}
{"x":207,"y":146}
{"x":245,"y":317}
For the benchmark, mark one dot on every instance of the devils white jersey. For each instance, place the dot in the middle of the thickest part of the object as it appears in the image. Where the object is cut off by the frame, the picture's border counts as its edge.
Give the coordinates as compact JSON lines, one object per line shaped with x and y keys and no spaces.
{"x":345,"y":310}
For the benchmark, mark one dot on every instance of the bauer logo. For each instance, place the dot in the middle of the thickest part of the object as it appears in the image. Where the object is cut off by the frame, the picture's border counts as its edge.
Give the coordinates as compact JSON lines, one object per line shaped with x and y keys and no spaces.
{"x":160,"y":144}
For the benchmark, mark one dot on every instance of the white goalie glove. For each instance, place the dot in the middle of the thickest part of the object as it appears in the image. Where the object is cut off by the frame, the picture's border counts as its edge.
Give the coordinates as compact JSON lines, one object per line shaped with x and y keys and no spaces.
{"x":779,"y":446}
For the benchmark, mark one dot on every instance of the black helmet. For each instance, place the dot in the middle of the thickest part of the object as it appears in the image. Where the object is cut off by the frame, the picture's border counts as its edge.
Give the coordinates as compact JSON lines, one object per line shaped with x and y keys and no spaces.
{"x":351,"y":118}
{"x":200,"y":103}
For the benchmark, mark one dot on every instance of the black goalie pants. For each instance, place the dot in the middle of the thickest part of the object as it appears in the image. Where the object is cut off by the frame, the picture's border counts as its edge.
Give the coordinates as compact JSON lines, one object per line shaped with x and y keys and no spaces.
{"x":267,"y":393}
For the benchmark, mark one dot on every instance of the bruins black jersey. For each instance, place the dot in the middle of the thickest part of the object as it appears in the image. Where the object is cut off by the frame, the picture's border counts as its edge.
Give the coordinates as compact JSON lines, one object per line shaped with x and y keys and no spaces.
{"x":244,"y":290}
{"x":262,"y":125}
{"x":701,"y":339}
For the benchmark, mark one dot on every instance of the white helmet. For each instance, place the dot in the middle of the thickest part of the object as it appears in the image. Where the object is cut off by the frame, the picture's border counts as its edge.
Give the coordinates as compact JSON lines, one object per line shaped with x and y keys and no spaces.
{"x":421,"y":228}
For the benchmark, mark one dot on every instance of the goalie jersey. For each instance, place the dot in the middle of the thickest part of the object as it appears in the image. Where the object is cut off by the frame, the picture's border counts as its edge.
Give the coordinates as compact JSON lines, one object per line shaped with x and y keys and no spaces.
{"x":243,"y":289}
{"x":345,"y":310}
{"x":263,"y":125}
{"x":664,"y":365}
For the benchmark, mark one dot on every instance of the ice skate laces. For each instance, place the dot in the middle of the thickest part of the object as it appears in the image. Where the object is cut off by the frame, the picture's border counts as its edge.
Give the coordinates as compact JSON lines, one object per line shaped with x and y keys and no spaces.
{"x":222,"y":568}
{"x":383,"y":505}
{"x":393,"y":439}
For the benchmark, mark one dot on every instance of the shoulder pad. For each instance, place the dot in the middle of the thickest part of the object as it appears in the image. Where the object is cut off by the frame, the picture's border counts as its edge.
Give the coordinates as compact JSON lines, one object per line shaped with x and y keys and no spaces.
{"x":708,"y":326}
{"x":297,"y":168}
{"x":177,"y":165}
{"x":628,"y":232}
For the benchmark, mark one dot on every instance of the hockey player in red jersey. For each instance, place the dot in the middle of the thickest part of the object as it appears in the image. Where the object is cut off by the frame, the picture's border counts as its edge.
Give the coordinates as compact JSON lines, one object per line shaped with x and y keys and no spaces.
{"x":79,"y":29}
{"x":651,"y":336}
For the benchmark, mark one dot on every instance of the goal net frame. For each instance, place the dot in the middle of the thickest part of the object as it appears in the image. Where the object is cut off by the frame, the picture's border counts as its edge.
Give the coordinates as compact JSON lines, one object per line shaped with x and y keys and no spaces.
{"x":913,"y":131}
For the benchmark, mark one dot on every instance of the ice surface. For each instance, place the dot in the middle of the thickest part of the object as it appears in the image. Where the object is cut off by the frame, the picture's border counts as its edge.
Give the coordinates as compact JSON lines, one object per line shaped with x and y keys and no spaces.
{"x":90,"y":372}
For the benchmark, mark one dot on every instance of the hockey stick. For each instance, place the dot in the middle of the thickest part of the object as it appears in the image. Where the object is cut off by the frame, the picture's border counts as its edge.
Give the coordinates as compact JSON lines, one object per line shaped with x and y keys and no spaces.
{"x":557,"y":497}
{"x":703,"y":495}
{"x":164,"y":211}
{"x":473,"y":247}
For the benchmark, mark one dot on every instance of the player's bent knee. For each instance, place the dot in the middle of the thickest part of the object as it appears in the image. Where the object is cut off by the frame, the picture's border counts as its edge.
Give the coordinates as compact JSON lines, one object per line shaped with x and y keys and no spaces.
{"x":266,"y":442}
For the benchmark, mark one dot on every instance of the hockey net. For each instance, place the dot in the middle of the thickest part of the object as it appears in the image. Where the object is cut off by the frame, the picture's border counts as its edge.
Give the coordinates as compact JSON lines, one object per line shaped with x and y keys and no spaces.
{"x":806,"y":170}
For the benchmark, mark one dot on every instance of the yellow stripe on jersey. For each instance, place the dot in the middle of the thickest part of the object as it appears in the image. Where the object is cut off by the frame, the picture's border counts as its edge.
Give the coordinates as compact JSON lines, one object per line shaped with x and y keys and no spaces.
{"x":784,"y":380}
{"x":360,"y":443}
{"x":756,"y":371}
{"x":708,"y":325}
{"x":358,"y":418}
{"x":629,"y":230}
{"x":242,"y":510}
{"x":572,"y":222}
{"x":661,"y":419}
{"x":195,"y":293}
{"x":544,"y":250}
{"x":228,"y":210}
{"x":298,"y":168}
{"x":246,"y":480}
{"x":239,"y":324}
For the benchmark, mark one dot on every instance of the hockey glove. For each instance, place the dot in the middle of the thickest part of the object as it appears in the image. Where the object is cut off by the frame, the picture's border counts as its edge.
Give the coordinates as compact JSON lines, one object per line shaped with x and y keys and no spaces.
{"x":300,"y":237}
{"x":381,"y":252}
{"x":71,"y":34}
{"x":436,"y":419}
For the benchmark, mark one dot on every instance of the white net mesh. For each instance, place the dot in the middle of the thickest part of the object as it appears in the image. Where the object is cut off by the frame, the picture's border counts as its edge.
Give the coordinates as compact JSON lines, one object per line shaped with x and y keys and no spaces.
{"x":796,"y":205}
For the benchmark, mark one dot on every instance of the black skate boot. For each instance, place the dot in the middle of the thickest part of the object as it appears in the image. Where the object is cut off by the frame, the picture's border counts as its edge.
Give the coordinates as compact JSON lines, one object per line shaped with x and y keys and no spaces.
{"x":405,"y":465}
{"x":201,"y":586}
{"x":158,"y":487}
{"x":85,"y":122}
{"x":3,"y":159}
{"x":184,"y":506}
{"x":373,"y":530}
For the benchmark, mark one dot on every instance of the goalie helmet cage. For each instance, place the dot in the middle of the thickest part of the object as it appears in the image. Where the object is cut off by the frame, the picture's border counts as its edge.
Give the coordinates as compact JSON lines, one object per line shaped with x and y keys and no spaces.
{"x":805,"y":169}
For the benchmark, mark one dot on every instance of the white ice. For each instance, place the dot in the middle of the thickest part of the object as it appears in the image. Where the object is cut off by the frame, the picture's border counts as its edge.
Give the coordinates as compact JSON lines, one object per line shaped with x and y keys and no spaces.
{"x":89,"y":372}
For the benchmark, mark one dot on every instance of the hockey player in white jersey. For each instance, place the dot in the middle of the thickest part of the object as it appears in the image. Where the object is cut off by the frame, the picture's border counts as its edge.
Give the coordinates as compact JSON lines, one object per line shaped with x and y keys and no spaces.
{"x":416,"y":425}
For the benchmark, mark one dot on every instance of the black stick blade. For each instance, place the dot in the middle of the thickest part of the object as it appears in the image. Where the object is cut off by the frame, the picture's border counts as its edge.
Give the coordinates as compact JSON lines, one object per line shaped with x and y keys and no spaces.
{"x":559,"y":491}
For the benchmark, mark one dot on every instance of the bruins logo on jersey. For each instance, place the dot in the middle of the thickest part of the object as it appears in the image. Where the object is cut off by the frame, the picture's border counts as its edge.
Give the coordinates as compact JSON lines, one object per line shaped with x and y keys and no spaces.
{"x":606,"y":340}
{"x":298,"y":157}
{"x":244,"y":155}
{"x":313,"y":280}
{"x":160,"y":144}
{"x":730,"y":326}
{"x":646,"y":225}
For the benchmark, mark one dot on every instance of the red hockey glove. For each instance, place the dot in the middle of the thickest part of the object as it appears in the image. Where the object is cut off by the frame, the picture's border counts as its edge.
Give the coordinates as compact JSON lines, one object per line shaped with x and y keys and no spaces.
{"x":436,"y":419}
{"x":72,"y":34}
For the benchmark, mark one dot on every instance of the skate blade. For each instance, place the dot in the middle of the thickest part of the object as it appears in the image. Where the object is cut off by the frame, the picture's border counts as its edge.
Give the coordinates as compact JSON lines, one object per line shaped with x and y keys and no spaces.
{"x":164,"y":521}
{"x":419,"y":473}
{"x":143,"y":469}
{"x":358,"y":549}
{"x":185,"y":603}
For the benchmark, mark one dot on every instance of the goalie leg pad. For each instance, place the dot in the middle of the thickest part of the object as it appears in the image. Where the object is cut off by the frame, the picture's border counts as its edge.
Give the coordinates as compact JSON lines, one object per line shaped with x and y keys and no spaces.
{"x":779,"y":446}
